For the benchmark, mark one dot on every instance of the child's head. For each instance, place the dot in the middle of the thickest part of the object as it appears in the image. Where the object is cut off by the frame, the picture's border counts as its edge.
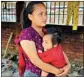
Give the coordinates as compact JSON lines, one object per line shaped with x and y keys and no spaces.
{"x":51,"y":40}
{"x":35,"y":14}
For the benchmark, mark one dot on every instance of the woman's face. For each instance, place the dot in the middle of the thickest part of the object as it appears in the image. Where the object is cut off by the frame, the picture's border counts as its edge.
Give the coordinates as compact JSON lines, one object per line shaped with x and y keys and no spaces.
{"x":39,"y":15}
{"x":47,"y":42}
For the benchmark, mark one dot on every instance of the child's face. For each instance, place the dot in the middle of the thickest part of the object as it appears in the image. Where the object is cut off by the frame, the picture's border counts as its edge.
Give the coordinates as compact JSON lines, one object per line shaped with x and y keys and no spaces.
{"x":39,"y":15}
{"x":47,"y":42}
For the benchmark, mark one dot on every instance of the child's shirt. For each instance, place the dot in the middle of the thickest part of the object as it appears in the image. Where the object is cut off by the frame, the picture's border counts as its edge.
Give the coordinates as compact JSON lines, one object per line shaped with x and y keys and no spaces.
{"x":53,"y":56}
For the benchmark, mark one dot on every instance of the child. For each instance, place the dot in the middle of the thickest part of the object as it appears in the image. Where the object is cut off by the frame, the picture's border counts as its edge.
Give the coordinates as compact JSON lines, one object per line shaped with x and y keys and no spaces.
{"x":53,"y":51}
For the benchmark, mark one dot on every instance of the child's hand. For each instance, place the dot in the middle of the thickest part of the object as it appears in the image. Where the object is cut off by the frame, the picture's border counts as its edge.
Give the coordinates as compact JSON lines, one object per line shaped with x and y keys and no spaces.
{"x":39,"y":51}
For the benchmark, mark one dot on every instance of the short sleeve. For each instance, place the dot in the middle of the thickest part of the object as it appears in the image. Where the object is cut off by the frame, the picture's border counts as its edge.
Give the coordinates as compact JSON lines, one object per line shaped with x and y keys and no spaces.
{"x":25,"y":35}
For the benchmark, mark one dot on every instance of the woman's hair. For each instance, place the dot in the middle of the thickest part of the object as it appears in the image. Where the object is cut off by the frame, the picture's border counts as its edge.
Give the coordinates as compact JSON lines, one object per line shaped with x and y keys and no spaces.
{"x":29,"y":10}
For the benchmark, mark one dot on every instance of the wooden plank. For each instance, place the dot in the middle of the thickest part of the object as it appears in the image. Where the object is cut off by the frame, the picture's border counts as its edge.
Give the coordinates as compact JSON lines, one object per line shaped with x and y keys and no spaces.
{"x":9,"y":40}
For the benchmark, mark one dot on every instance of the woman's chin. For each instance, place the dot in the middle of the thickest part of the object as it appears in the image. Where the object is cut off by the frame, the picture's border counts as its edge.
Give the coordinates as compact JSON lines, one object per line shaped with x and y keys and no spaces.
{"x":43,"y":25}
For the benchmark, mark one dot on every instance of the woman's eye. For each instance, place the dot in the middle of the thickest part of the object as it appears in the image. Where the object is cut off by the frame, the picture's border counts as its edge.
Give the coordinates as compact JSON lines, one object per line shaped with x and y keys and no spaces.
{"x":43,"y":14}
{"x":40,"y":14}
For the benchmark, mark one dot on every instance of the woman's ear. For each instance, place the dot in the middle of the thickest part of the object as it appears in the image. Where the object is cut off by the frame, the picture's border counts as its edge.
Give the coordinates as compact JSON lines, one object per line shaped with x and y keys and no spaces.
{"x":30,"y":16}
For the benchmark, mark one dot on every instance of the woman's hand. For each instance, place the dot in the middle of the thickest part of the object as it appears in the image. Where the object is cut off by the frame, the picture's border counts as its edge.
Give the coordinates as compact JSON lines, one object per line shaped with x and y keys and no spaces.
{"x":66,"y":70}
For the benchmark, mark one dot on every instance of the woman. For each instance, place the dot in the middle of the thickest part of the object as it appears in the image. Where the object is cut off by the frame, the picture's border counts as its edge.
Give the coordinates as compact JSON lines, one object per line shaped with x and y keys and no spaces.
{"x":30,"y":39}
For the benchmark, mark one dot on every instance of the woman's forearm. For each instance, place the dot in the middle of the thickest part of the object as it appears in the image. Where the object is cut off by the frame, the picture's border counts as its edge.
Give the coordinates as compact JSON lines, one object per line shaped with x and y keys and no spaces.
{"x":46,"y":67}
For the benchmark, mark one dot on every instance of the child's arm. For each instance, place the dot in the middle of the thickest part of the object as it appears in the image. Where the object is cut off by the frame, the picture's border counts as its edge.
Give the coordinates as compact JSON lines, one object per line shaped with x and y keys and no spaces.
{"x":44,"y":74}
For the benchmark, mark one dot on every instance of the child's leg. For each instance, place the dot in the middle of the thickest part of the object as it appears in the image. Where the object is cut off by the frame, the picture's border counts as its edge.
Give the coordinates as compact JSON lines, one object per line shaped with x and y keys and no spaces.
{"x":44,"y":74}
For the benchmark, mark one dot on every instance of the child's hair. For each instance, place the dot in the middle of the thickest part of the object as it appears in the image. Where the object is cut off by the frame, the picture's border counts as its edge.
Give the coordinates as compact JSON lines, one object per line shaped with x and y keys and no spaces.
{"x":29,"y":10}
{"x":56,"y":37}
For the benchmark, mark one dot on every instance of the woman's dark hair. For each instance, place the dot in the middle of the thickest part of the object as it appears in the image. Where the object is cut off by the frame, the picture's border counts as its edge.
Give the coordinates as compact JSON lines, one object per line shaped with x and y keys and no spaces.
{"x":28,"y":10}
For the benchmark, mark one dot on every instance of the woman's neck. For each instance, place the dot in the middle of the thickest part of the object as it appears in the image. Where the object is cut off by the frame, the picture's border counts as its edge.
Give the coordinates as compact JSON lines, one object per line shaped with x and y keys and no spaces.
{"x":39,"y":30}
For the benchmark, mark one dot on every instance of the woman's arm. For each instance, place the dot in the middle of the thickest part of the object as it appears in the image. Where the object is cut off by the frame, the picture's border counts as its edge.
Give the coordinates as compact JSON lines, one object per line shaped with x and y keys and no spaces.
{"x":30,"y":49}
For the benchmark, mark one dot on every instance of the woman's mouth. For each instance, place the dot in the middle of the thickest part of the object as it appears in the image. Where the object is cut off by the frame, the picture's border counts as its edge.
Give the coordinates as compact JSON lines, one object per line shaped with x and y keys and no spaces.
{"x":44,"y":21}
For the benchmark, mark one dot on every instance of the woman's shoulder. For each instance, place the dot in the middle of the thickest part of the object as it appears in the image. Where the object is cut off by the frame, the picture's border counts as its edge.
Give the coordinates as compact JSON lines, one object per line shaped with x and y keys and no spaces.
{"x":26,"y":34}
{"x":26,"y":30}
